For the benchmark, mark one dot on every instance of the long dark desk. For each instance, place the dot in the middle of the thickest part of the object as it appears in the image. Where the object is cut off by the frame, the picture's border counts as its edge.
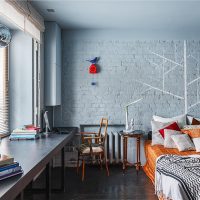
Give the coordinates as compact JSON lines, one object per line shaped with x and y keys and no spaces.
{"x":33,"y":156}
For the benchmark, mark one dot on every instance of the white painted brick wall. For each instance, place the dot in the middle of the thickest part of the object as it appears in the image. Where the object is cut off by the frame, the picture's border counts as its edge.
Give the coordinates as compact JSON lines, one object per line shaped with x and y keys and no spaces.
{"x":128,"y":69}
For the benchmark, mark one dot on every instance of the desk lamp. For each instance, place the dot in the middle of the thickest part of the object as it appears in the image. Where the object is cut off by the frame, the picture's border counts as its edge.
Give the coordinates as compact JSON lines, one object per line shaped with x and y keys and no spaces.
{"x":129,"y":128}
{"x":47,"y":126}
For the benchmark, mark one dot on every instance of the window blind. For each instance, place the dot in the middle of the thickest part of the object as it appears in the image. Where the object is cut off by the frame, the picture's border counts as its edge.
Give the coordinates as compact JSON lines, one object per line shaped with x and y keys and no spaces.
{"x":4,"y":96}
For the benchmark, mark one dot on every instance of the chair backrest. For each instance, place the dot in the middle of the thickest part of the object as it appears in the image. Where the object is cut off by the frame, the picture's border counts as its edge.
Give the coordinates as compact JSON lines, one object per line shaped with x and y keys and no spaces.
{"x":103,"y":129}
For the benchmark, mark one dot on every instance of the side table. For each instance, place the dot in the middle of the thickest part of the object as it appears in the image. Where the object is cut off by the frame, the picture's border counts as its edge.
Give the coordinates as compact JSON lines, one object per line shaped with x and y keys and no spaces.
{"x":135,"y":134}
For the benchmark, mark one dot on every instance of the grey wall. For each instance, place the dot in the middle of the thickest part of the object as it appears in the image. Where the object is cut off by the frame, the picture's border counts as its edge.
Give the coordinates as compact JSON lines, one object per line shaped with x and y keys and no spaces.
{"x":129,"y":71}
{"x":20,"y":79}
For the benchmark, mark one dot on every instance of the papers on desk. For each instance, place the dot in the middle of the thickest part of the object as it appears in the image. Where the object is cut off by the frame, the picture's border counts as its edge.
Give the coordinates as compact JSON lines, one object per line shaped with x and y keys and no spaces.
{"x":5,"y":160}
{"x":24,"y":131}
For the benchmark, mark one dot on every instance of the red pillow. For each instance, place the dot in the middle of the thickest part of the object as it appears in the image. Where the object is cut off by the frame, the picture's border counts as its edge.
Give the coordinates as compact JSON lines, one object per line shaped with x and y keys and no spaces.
{"x":174,"y":126}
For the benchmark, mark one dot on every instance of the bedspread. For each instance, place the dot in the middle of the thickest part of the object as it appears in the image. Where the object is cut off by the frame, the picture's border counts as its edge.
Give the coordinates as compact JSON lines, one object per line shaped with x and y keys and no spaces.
{"x":153,"y":152}
{"x":178,"y":177}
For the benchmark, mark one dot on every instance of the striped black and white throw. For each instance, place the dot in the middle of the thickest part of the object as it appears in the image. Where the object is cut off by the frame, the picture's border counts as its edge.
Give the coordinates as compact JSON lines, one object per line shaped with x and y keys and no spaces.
{"x":186,"y":170}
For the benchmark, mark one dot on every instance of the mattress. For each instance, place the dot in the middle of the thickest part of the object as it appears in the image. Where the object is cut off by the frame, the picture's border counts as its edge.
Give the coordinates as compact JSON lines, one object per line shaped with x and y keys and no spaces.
{"x":153,"y":152}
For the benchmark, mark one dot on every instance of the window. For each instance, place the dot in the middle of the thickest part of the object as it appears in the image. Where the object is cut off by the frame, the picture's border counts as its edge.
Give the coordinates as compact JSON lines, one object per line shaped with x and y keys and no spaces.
{"x":36,"y":84}
{"x":4,"y":96}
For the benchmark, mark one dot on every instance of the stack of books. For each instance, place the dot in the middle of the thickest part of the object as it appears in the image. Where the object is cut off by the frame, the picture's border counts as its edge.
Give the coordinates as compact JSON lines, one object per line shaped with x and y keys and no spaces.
{"x":8,"y":167}
{"x":24,"y":134}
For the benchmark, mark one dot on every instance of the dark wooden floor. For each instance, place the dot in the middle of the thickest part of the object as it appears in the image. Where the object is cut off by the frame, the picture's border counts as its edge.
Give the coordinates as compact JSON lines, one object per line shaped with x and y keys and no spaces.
{"x":97,"y":186}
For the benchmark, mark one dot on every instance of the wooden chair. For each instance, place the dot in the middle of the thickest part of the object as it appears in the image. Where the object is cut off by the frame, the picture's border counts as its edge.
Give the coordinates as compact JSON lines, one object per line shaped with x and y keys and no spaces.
{"x":93,"y":146}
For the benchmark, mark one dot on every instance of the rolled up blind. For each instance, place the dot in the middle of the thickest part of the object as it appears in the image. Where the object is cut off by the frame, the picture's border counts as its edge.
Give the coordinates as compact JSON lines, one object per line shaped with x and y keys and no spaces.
{"x":4,"y":96}
{"x":25,"y":8}
{"x":24,"y":16}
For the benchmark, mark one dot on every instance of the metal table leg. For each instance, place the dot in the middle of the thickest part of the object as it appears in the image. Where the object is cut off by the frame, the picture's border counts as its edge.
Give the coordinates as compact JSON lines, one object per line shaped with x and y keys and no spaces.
{"x":48,"y":181}
{"x":22,"y":195}
{"x":63,"y":175}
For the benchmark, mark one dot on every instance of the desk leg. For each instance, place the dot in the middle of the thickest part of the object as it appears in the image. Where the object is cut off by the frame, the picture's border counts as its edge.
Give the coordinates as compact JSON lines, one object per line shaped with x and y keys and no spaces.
{"x":126,"y":150}
{"x":63,"y":169}
{"x":124,"y":153}
{"x":123,"y":167}
{"x":22,"y":195}
{"x":48,"y":181}
{"x":138,"y":155}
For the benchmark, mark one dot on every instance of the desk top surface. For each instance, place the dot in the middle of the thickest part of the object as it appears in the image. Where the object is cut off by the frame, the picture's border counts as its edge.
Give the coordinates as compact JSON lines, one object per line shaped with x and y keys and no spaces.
{"x":32,"y":155}
{"x":134,"y":133}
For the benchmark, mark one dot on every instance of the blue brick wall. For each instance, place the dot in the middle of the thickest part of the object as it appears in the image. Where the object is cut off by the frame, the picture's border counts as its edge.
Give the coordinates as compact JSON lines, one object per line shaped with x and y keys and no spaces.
{"x":129,"y":70}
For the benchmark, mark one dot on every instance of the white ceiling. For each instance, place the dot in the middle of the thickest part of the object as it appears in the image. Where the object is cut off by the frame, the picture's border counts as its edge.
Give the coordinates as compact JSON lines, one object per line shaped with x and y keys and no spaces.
{"x":126,"y":14}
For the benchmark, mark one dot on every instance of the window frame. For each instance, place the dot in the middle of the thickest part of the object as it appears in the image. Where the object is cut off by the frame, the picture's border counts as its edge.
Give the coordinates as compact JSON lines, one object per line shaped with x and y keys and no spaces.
{"x":36,"y":119}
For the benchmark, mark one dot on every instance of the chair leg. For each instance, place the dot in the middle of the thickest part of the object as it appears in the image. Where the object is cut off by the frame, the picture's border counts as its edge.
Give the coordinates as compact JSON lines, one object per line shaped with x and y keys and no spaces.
{"x":100,"y":160}
{"x":83,"y":170}
{"x":107,"y":169}
{"x":77,"y":166}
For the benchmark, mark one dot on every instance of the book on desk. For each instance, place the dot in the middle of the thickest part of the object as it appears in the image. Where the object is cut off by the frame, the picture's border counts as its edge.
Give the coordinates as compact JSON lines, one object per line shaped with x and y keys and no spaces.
{"x":24,"y":137}
{"x":24,"y":134}
{"x":8,"y":167}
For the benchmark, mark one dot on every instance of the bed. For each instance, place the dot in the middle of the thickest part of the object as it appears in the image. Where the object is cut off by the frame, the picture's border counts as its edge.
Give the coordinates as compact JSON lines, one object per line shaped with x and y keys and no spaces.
{"x":153,"y":152}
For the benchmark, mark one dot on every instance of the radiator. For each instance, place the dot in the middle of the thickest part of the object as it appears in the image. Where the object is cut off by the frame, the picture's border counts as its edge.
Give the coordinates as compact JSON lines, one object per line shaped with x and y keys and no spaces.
{"x":114,"y":147}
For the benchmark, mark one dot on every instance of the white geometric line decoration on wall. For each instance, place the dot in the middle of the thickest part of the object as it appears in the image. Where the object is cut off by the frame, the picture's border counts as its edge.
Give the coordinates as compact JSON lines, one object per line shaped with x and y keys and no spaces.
{"x":152,"y":72}
{"x":193,"y":81}
{"x":185,"y":76}
{"x":164,"y":73}
{"x":165,"y":59}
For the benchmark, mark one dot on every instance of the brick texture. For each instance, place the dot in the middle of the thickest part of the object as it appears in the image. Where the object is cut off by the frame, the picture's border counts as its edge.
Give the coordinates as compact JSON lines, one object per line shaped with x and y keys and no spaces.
{"x":129,"y":70}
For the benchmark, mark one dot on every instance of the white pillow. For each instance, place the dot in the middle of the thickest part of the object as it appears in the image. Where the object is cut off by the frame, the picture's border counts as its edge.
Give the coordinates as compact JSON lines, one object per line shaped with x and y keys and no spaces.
{"x":168,"y":142}
{"x":183,"y":142}
{"x":156,"y":136}
{"x":197,"y":144}
{"x":181,"y":119}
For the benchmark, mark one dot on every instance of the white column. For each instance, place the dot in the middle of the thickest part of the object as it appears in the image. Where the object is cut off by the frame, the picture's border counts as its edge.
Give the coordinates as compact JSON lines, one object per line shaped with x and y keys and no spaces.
{"x":185,"y":77}
{"x":126,"y":117}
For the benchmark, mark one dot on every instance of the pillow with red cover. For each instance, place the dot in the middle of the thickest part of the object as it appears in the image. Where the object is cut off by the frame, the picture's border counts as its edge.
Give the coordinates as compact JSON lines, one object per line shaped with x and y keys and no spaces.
{"x":174,"y":126}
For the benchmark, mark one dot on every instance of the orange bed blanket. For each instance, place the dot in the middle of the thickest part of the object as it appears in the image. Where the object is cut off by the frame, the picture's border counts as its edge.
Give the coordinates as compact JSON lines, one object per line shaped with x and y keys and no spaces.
{"x":153,"y":152}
